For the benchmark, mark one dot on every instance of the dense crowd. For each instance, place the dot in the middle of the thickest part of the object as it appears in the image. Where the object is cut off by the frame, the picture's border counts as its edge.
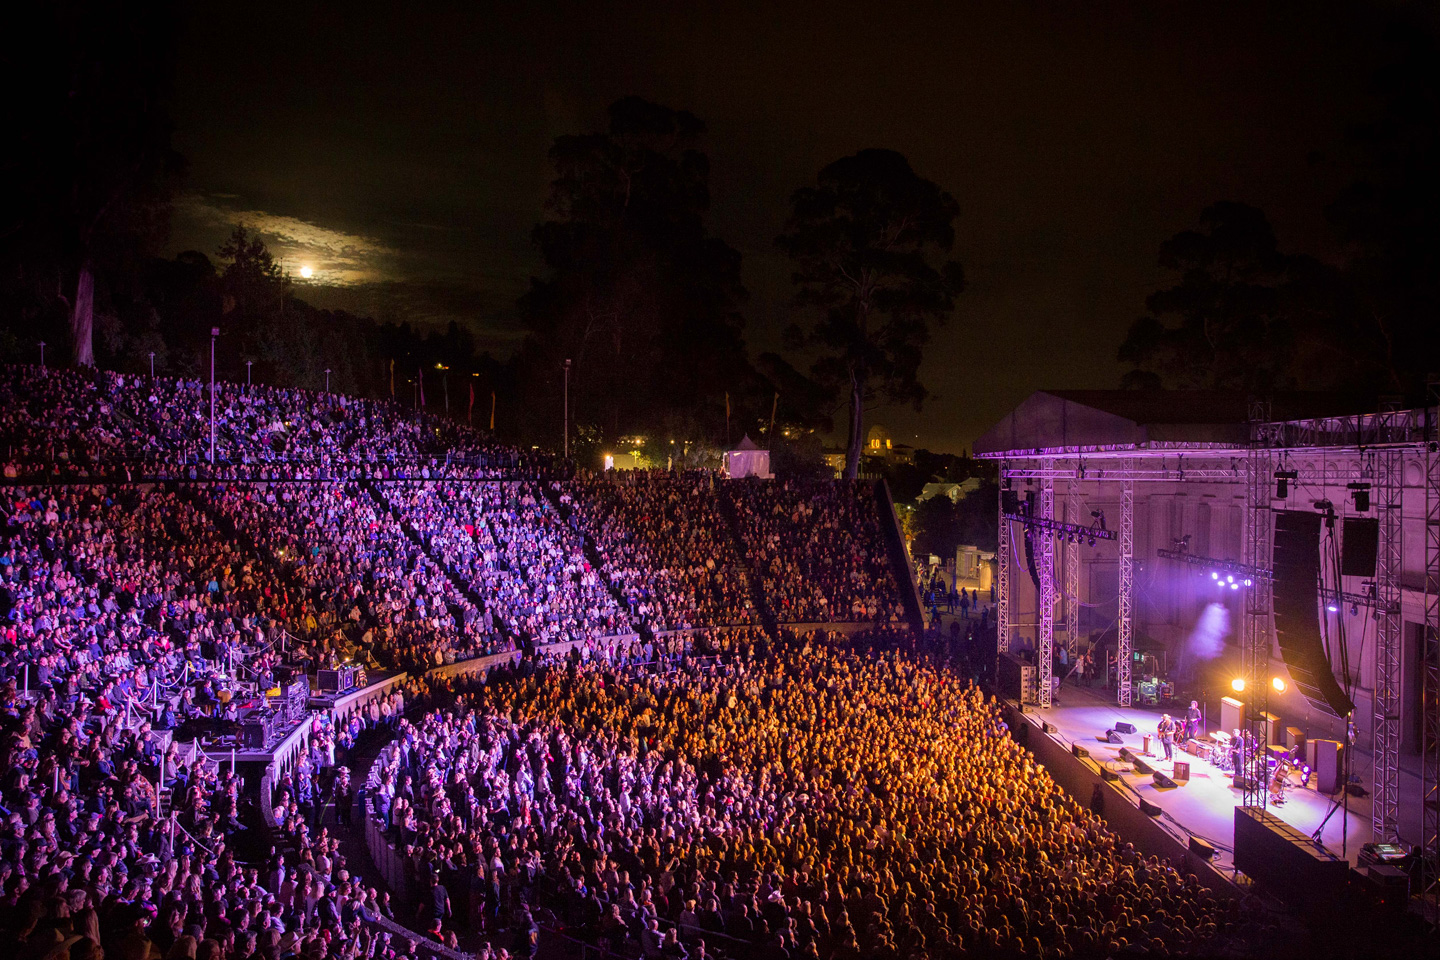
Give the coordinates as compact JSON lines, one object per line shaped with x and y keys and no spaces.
{"x":665,"y":548}
{"x":789,"y":801}
{"x":133,"y":593}
{"x":817,"y":549}
{"x":511,"y":543}
{"x":372,"y":592}
{"x":97,"y":423}
{"x":116,"y":843}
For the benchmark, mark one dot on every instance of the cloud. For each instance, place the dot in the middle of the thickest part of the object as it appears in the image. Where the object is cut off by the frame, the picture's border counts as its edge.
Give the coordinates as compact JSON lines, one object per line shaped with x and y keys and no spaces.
{"x":338,"y":258}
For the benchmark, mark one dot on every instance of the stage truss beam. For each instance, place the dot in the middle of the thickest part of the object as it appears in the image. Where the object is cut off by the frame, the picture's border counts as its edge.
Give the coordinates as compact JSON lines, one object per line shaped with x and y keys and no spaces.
{"x":1002,"y":576}
{"x":1256,"y":625}
{"x":1389,"y":467}
{"x":1123,"y":694}
{"x":1045,"y":602}
{"x":1072,"y":572}
{"x":1430,"y":671}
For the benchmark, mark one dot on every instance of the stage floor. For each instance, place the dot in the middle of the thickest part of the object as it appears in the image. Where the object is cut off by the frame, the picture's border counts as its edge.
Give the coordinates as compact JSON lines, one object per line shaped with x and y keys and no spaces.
{"x":1205,"y":805}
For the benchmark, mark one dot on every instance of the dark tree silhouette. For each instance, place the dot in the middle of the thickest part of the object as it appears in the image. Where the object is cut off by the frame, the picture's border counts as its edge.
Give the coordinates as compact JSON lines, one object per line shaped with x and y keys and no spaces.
{"x":1221,"y":325}
{"x":93,"y":167}
{"x":638,"y":295}
{"x":868,"y":244}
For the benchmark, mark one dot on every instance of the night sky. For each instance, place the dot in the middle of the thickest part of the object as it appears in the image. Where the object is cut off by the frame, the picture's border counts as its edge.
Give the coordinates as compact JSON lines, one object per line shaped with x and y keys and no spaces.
{"x":400,"y":152}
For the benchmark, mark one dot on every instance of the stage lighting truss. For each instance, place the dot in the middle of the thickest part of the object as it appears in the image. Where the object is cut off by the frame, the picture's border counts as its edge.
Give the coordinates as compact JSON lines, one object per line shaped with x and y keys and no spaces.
{"x":1233,"y":575}
{"x":1064,"y":532}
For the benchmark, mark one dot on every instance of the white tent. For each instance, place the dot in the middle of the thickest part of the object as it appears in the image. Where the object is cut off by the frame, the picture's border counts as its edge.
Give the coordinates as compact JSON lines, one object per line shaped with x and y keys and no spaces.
{"x":747,"y":460}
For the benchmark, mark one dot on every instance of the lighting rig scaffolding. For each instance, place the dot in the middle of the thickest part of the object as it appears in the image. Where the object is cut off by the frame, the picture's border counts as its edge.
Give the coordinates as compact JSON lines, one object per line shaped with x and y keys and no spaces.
{"x":1389,"y":467}
{"x":1072,"y":570}
{"x":1045,"y":649}
{"x":1002,"y":573}
{"x":1257,"y":624}
{"x":1430,"y":670}
{"x":1125,"y":637}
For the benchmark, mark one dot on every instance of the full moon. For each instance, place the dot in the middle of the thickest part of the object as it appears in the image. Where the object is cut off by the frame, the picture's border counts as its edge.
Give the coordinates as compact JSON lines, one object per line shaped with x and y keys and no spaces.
{"x":307,"y":272}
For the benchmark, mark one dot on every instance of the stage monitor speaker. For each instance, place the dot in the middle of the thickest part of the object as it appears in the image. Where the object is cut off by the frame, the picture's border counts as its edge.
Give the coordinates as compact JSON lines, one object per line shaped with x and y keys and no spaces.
{"x":1297,"y":611}
{"x":1182,"y":771}
{"x":1202,"y":849}
{"x":1243,"y":782}
{"x":1125,"y":726}
{"x":1142,"y":767}
{"x":1149,"y":809}
{"x":1295,"y":737}
{"x":1164,"y":782}
{"x":1009,"y":502}
{"x":1079,"y":751}
{"x":1329,"y":766}
{"x":1286,"y":862}
{"x":1113,"y":736}
{"x":1047,"y":726}
{"x":1126,"y":755}
{"x":1360,"y":540}
{"x":1108,"y":775}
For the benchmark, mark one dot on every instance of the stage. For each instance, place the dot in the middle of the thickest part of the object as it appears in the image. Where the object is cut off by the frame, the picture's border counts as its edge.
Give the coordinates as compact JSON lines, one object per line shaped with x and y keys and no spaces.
{"x":1205,"y":805}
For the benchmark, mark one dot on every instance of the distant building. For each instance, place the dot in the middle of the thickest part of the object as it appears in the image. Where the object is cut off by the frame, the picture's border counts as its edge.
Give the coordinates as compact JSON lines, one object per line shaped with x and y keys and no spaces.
{"x":879,"y":444}
{"x":955,"y":491}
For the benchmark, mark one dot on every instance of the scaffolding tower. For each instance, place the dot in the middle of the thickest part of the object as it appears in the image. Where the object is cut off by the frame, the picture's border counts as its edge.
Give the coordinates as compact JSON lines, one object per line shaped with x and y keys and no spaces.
{"x":1125,"y":639}
{"x":1045,"y":648}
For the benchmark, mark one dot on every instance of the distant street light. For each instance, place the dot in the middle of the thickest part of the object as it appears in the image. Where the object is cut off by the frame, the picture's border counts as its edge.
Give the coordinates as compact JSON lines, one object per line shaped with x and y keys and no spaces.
{"x":152,"y":364}
{"x":327,"y":379}
{"x":42,"y":354}
{"x":567,"y":410}
{"x":214,"y":332}
{"x":248,"y":365}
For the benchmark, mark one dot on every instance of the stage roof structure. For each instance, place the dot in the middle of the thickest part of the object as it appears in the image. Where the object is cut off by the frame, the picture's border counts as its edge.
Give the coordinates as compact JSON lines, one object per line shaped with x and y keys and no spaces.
{"x":1056,"y":422}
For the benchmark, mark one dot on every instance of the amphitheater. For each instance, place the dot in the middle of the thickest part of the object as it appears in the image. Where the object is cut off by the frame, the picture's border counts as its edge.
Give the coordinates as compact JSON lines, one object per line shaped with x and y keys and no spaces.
{"x":325,"y":677}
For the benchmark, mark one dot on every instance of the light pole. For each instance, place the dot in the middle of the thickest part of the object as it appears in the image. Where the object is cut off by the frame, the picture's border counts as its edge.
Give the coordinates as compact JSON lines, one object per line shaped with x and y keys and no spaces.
{"x":327,"y":379}
{"x":445,"y":384}
{"x":567,"y":410}
{"x":214,"y":332}
{"x":248,"y":365}
{"x":152,"y":364}
{"x":42,"y":354}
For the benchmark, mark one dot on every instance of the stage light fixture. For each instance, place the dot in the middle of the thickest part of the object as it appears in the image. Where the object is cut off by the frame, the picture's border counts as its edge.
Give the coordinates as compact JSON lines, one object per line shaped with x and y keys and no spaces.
{"x":1234,"y":586}
{"x":1354,"y":609}
{"x":1282,"y":482}
{"x":1249,"y":582}
{"x":1332,"y":608}
{"x":1229,"y":579}
{"x":1360,"y":491}
{"x":1278,"y":684}
{"x":1214,"y":575}
{"x":1238,"y":684}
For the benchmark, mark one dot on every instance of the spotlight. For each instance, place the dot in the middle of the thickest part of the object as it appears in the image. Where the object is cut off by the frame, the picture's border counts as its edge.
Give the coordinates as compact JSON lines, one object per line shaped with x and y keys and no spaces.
{"x":1354,"y":609}
{"x":1229,"y":579}
{"x":1234,"y":586}
{"x":1361,"y":493}
{"x":1238,"y":684}
{"x":1214,"y":575}
{"x":1332,"y":608}
{"x":1304,"y":776}
{"x":1282,"y":482}
{"x":1278,"y":684}
{"x":1248,"y":582}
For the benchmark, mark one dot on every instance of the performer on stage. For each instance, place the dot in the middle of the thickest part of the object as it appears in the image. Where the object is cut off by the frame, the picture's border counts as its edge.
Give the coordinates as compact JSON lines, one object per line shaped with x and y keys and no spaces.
{"x":1167,"y":736}
{"x":1192,"y":720}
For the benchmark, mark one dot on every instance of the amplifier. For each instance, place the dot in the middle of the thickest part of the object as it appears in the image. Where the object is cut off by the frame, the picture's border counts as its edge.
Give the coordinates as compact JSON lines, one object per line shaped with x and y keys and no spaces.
{"x":253,"y":734}
{"x":298,"y":690}
{"x":340,"y":680}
